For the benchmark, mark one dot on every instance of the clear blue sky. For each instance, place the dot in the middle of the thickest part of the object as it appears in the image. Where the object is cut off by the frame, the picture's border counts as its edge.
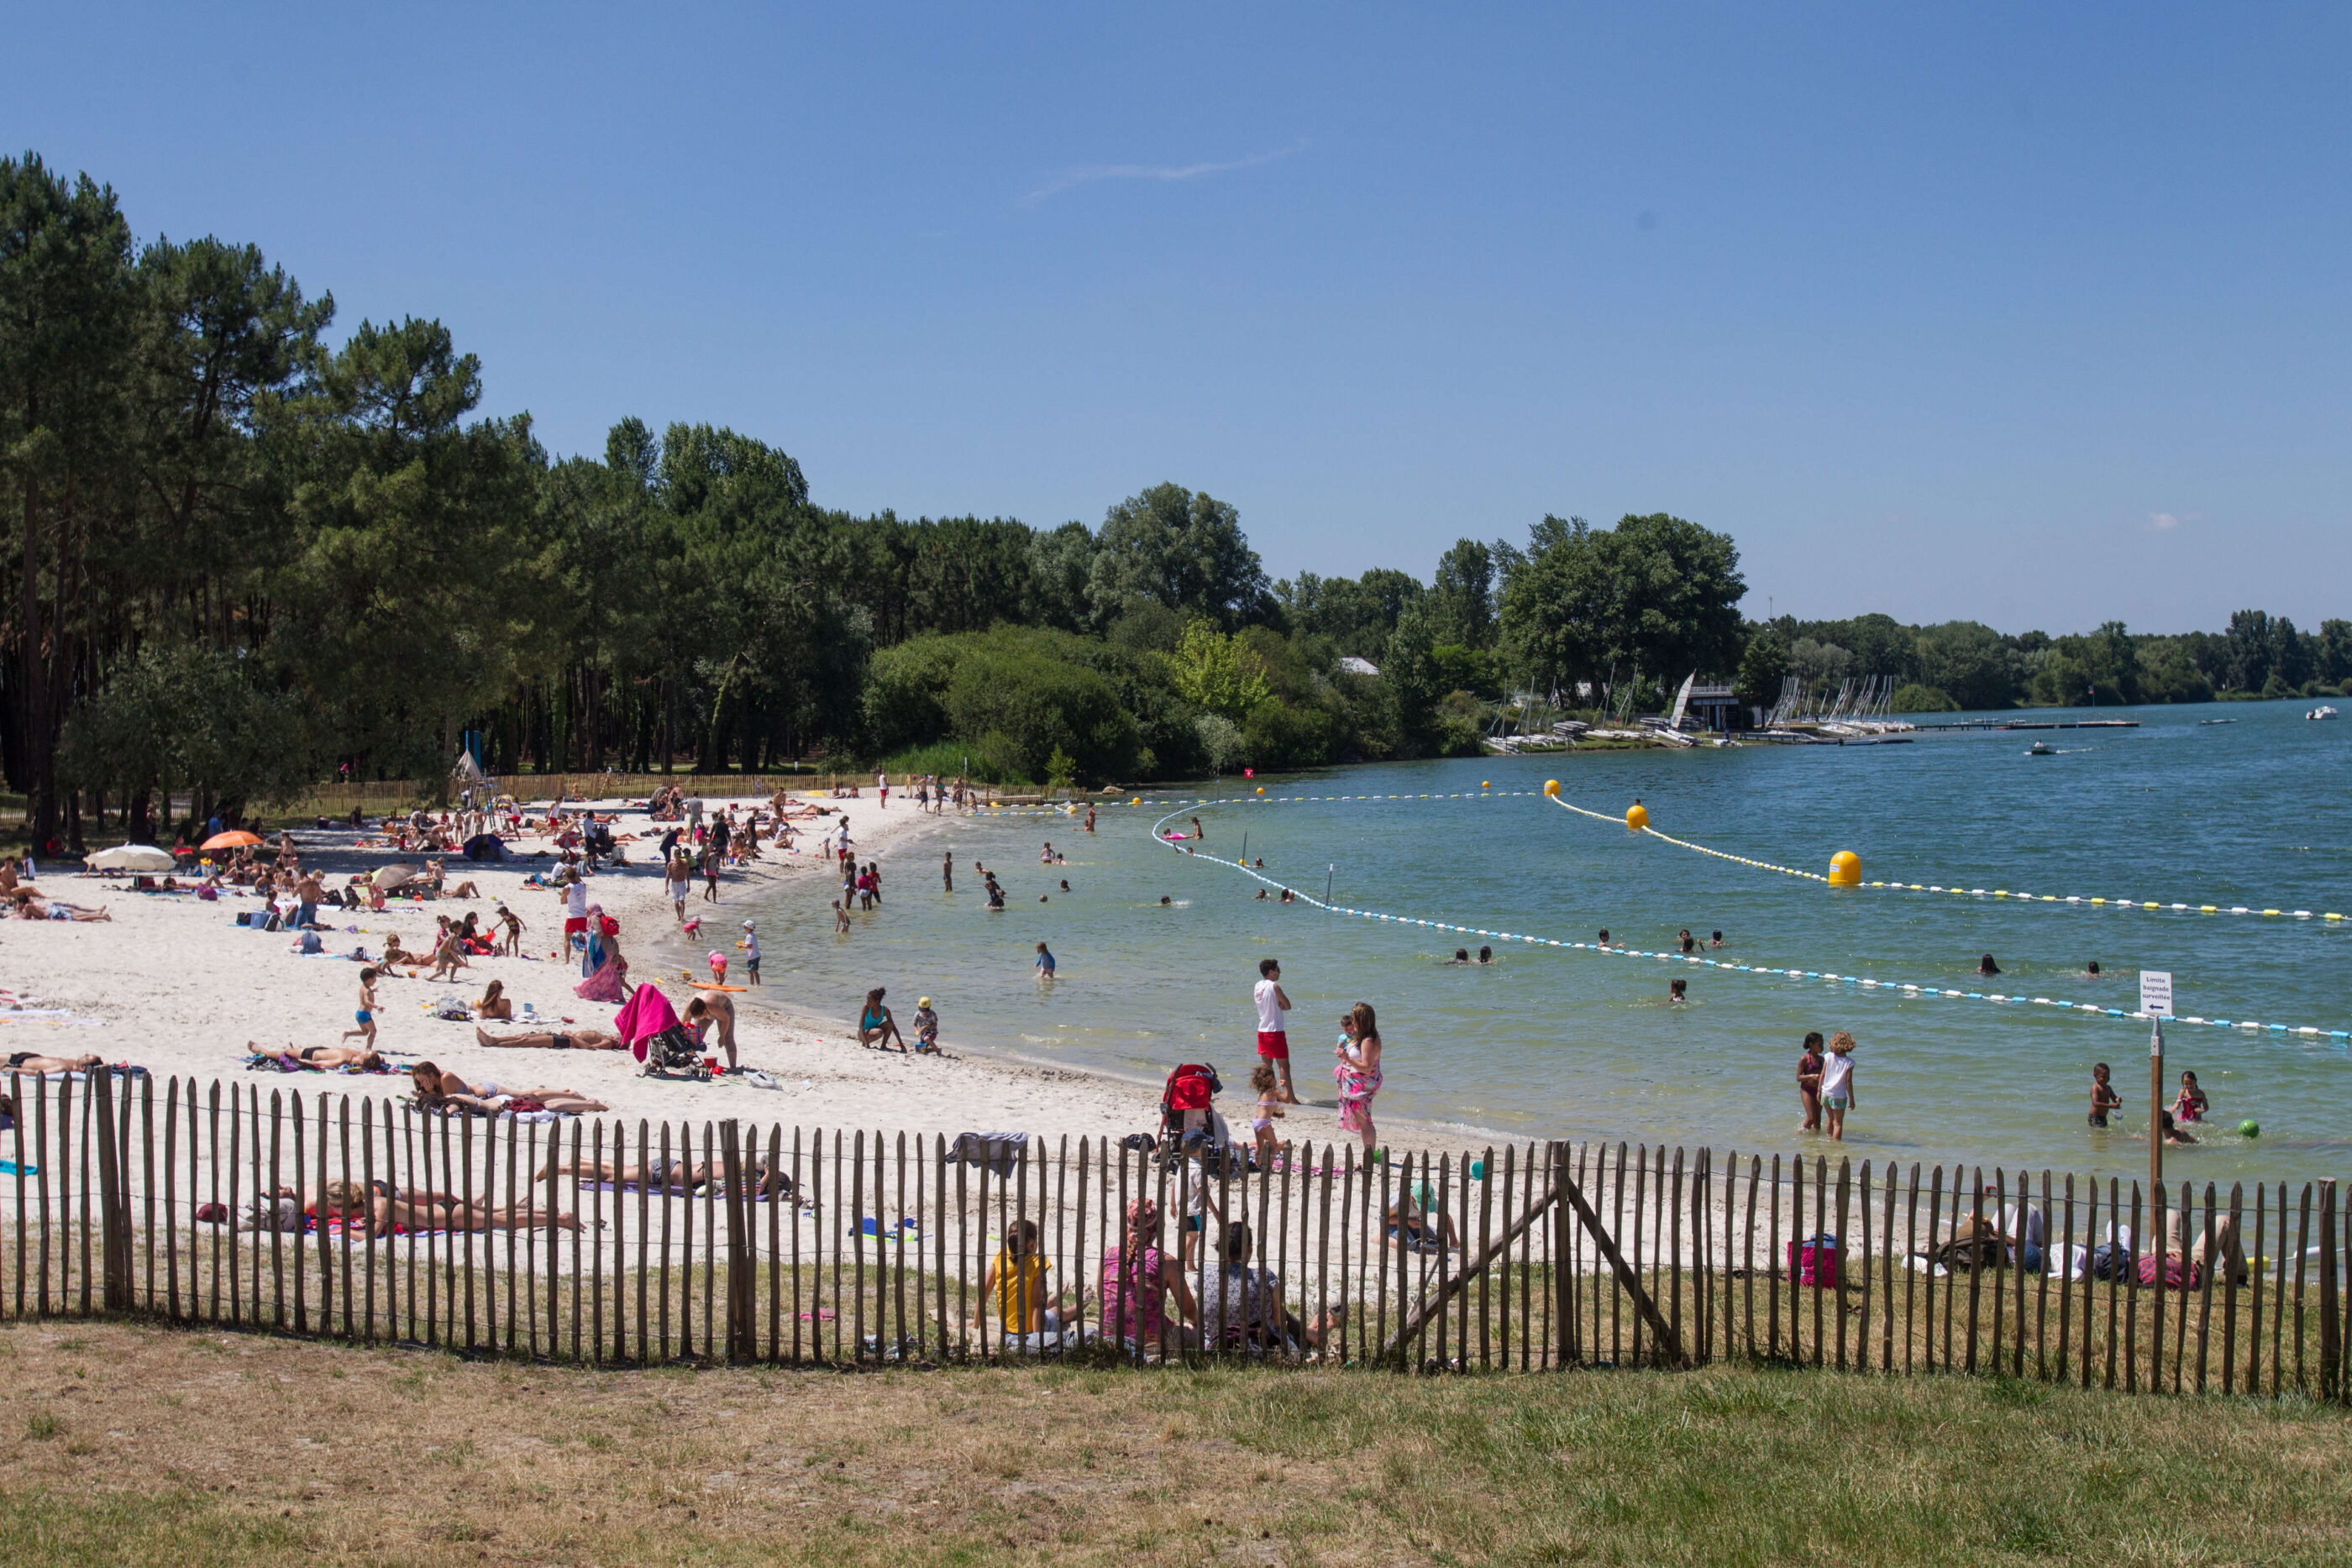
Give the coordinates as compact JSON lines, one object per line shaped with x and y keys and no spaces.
{"x":2035,"y":315}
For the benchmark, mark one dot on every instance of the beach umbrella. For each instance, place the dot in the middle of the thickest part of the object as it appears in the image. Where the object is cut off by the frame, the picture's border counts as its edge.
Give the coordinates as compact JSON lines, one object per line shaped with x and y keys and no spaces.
{"x":392,"y":876}
{"x":234,"y":839}
{"x":131,"y":857}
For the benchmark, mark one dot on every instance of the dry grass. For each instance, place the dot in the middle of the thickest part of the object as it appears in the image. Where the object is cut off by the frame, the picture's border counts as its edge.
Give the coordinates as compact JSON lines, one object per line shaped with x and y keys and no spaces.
{"x":128,"y":1443}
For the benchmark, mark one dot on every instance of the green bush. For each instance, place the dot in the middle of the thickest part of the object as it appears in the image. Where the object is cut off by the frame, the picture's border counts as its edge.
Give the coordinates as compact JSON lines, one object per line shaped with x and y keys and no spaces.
{"x":1913,"y":698}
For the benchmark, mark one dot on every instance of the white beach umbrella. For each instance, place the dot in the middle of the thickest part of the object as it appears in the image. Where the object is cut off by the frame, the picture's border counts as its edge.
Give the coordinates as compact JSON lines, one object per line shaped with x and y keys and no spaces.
{"x":130,"y":857}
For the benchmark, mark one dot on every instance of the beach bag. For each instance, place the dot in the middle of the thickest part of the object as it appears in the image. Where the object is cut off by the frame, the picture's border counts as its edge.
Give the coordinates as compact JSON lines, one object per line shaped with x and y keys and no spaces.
{"x":1972,"y":1252}
{"x":2111,"y":1262}
{"x":1816,"y":1262}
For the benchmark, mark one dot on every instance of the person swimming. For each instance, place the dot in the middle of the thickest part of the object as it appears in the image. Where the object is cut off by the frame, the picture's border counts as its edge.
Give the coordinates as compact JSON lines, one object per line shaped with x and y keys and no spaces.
{"x":1987,"y":967}
{"x":1485,"y":955}
{"x":1461,"y":955}
{"x":1675,"y":989}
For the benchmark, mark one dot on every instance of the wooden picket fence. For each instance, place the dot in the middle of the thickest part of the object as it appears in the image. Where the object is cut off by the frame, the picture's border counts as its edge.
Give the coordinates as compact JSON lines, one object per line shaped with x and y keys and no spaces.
{"x":849,"y":1247}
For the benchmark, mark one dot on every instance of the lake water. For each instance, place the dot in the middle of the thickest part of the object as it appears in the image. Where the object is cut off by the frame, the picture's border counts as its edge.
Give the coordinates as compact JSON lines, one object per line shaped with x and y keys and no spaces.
{"x":1547,"y":1042}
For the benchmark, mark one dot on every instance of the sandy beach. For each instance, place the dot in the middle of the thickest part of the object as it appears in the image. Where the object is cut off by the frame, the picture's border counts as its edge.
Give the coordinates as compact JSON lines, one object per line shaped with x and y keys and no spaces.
{"x":173,"y":985}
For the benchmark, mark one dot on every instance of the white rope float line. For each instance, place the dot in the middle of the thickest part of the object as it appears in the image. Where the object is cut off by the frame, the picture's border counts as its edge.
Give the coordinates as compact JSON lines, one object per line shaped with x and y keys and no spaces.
{"x":2342,"y":1039}
{"x":1997,"y":893}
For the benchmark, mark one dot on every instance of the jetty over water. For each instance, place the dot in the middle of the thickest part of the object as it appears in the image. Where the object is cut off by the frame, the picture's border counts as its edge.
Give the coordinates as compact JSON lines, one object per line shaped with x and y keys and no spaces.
{"x":2034,"y":724}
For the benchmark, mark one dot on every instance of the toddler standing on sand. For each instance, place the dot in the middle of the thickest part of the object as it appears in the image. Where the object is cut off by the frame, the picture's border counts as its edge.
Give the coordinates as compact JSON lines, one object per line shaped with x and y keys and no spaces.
{"x":1269,"y":1106}
{"x":927,"y":1026}
{"x":366,"y":1014}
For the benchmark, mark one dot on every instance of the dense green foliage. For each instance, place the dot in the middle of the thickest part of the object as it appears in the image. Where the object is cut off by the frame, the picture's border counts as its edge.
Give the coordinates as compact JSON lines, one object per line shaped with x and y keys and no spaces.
{"x":1961,"y":664}
{"x":247,"y":558}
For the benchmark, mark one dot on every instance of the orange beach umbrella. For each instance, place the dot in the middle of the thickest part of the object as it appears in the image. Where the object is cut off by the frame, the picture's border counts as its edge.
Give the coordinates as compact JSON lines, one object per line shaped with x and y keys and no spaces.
{"x":234,"y":839}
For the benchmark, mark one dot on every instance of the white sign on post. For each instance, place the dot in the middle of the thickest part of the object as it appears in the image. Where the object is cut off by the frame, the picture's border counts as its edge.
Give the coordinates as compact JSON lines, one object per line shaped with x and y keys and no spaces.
{"x":2156,"y":992}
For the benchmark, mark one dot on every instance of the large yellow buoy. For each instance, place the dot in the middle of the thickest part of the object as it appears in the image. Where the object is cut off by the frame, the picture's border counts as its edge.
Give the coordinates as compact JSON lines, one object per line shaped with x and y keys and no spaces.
{"x":1845,"y":869}
{"x":1486,"y":784}
{"x":1551,"y":786}
{"x":1261,"y":788}
{"x":1637,"y":817}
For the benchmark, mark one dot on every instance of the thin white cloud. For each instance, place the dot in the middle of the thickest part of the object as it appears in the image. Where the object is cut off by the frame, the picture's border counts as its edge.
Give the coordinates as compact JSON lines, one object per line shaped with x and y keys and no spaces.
{"x":2165,"y":522}
{"x":1087,"y":174}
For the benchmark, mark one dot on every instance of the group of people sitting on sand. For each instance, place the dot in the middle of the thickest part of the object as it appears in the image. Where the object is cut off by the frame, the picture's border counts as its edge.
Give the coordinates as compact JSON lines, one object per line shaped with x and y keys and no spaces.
{"x":25,"y":903}
{"x":1145,"y":1298}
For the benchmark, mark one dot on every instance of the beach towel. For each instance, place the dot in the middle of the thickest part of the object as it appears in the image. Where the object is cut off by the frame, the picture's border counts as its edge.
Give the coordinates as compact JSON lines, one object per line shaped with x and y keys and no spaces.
{"x":996,"y":1150}
{"x":646,"y":1014}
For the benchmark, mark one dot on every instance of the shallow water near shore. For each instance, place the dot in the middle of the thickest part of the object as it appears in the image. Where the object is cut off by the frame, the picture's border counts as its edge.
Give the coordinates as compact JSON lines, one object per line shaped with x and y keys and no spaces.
{"x":1547,"y":1042}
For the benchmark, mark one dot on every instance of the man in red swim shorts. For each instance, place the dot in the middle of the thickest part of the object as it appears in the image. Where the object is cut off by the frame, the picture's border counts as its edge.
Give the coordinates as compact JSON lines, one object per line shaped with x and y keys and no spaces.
{"x":1273,"y":1043}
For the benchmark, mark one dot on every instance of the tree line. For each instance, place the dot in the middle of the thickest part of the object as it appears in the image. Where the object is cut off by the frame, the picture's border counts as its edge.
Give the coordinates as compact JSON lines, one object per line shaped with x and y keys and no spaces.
{"x":247,"y":557}
{"x":1966,"y":665}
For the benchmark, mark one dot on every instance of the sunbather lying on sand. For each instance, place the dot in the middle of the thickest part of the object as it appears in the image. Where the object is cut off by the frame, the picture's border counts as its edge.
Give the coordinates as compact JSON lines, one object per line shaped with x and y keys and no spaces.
{"x":435,"y":1088}
{"x":31,"y":908}
{"x":674,"y":1175}
{"x":579,"y":1039}
{"x":365,"y":1060}
{"x":34,"y":1061}
{"x":387,"y":1207}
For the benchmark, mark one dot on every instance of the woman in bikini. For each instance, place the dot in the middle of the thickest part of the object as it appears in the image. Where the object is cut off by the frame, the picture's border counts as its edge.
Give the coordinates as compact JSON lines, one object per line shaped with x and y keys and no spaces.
{"x":494,"y":1003}
{"x":437,"y":1089}
{"x":876,"y":1027}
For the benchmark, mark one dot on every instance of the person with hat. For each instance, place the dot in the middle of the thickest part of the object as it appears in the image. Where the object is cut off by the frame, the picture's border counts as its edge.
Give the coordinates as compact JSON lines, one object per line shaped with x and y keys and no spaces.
{"x":750,"y":945}
{"x":927,"y":1026}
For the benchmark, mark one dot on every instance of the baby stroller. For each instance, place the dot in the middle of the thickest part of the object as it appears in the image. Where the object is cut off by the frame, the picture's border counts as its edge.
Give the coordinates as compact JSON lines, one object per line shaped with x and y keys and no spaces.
{"x":663,"y":1045}
{"x":673,"y":1053}
{"x":1186,"y":1118}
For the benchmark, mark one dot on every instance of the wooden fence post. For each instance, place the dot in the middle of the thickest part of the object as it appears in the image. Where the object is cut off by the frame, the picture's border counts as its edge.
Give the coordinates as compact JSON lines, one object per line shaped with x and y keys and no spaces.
{"x":113,"y":1199}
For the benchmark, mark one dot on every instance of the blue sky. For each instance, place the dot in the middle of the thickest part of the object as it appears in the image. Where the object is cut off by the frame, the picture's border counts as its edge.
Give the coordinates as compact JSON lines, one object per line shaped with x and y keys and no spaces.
{"x":2033,"y":315}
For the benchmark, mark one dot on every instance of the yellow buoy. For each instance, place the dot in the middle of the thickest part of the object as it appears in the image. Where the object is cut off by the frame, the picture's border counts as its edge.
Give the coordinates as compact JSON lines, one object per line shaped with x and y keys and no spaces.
{"x":1137,"y":801}
{"x":1551,"y":786}
{"x":1845,"y":869}
{"x":1261,"y":788}
{"x":1637,"y":817}
{"x":1486,"y":784}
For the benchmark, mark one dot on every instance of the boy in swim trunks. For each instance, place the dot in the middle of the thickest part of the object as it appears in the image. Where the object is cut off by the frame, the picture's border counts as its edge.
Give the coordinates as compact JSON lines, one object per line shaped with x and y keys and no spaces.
{"x":1273,"y":1040}
{"x":366,"y":1014}
{"x":2104,"y":1097}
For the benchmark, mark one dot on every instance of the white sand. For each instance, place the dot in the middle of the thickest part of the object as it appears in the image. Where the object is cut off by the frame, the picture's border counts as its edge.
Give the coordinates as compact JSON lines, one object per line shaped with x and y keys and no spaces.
{"x":171,"y":985}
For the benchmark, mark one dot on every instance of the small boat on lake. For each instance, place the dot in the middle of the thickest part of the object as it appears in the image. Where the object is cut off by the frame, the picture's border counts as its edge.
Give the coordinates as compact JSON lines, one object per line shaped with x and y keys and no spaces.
{"x":2041,"y":749}
{"x":2322,"y":711}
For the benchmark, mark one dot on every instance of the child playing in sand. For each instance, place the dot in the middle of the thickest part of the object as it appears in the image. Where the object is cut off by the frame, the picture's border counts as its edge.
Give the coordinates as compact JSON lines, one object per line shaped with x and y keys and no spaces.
{"x":512,"y":947}
{"x":927,"y":1026}
{"x":366,"y":1014}
{"x":1269,"y":1106}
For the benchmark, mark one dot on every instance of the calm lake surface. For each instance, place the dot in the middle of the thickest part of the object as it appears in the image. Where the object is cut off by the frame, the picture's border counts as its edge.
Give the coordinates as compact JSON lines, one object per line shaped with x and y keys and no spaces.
{"x":1547,"y":1042}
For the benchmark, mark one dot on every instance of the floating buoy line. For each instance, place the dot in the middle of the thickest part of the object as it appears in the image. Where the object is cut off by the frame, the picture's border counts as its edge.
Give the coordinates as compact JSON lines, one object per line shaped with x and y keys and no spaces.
{"x":1904,"y":990}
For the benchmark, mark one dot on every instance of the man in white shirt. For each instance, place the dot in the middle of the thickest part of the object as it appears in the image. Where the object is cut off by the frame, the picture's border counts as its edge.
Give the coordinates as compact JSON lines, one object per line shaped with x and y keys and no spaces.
{"x":1273,"y":1040}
